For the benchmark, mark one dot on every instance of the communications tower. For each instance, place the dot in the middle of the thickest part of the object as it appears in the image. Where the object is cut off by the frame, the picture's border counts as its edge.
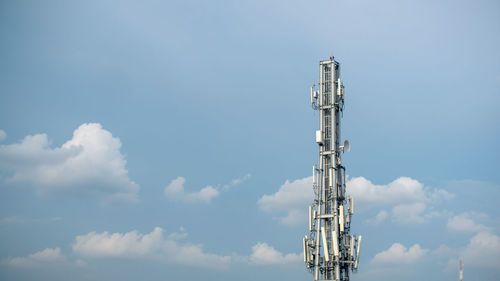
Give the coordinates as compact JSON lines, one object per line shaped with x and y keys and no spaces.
{"x":331,"y":252}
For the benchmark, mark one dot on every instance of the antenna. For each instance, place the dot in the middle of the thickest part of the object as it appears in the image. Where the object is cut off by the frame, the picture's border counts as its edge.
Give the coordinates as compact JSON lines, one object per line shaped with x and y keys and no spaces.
{"x":351,"y":246}
{"x":357,"y":253}
{"x":341,"y":218}
{"x":306,"y":250}
{"x":331,"y":211}
{"x":351,"y":205}
{"x":310,"y":218}
{"x":325,"y":244}
{"x":335,"y":239}
{"x":460,"y":270}
{"x":346,"y":146}
{"x":314,"y":175}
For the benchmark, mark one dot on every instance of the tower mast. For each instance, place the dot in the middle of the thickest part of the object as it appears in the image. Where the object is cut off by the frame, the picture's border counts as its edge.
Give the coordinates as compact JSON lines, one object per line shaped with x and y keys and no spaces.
{"x":330,"y":251}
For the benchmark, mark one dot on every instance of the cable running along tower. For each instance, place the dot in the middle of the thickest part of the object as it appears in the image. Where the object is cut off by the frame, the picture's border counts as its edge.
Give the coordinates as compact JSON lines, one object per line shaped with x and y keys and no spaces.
{"x":330,"y":251}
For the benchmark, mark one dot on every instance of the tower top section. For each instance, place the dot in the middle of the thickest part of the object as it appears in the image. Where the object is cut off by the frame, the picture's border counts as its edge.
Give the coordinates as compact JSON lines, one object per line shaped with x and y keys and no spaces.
{"x":331,"y":252}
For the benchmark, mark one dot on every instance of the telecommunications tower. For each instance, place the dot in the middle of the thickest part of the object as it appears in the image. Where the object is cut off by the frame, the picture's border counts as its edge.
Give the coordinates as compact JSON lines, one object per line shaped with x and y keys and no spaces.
{"x":330,"y":251}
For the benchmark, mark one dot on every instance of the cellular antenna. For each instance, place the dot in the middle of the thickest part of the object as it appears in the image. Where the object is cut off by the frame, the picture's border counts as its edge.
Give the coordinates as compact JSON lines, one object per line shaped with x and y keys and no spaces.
{"x":331,"y":252}
{"x":346,"y":147}
{"x":460,"y":271}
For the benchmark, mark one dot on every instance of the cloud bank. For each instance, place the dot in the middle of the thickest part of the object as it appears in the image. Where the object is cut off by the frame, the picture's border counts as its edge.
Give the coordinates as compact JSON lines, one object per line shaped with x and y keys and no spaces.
{"x":134,"y":245}
{"x":407,"y":198}
{"x":42,"y":259}
{"x":154,"y":246}
{"x":90,"y":163}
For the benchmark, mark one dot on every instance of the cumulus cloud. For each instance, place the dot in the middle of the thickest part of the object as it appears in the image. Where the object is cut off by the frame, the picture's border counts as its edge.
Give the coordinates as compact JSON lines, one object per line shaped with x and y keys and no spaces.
{"x":3,"y":135}
{"x":466,"y":223}
{"x":483,"y":250}
{"x":130,"y":244}
{"x":263,"y":254}
{"x":401,"y":190}
{"x":399,"y":254}
{"x":44,"y":258}
{"x":153,"y":245}
{"x":170,"y":249}
{"x":175,"y":191}
{"x":90,"y":163}
{"x":407,"y":197}
{"x":292,"y":198}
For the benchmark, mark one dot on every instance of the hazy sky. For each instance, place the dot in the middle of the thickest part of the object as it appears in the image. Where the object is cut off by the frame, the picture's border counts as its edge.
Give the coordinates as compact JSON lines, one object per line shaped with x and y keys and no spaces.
{"x":174,"y":140}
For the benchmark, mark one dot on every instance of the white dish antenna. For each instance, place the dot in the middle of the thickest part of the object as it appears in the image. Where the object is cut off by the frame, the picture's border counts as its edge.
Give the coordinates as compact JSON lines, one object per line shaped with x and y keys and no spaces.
{"x":346,"y":147}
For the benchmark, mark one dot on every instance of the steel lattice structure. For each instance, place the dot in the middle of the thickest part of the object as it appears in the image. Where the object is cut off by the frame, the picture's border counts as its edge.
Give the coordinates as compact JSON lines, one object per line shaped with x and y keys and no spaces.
{"x":330,"y":251}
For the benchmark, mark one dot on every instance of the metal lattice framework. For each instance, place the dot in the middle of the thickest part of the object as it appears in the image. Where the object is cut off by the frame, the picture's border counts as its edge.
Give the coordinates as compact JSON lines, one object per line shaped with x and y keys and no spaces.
{"x":330,"y":251}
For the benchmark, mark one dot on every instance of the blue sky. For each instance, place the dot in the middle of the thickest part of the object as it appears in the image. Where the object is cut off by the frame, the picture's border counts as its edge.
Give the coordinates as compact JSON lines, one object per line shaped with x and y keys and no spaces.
{"x":173,"y":140}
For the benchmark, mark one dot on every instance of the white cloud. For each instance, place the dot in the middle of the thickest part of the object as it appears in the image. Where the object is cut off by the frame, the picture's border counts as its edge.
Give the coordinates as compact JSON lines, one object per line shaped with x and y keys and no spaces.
{"x":130,"y":244}
{"x":415,"y":213}
{"x":169,"y":249}
{"x":182,"y":234}
{"x":379,"y":218}
{"x":292,"y":198}
{"x":3,"y":135}
{"x":263,"y":254}
{"x":445,"y":251}
{"x":175,"y":191}
{"x":466,"y":223}
{"x":152,"y":245}
{"x":438,"y":195}
{"x":90,"y":163}
{"x":237,"y":181}
{"x":193,"y":255}
{"x":410,"y":213}
{"x":399,"y":254}
{"x":44,"y":258}
{"x":407,"y":197}
{"x":483,"y":251}
{"x":401,"y":190}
